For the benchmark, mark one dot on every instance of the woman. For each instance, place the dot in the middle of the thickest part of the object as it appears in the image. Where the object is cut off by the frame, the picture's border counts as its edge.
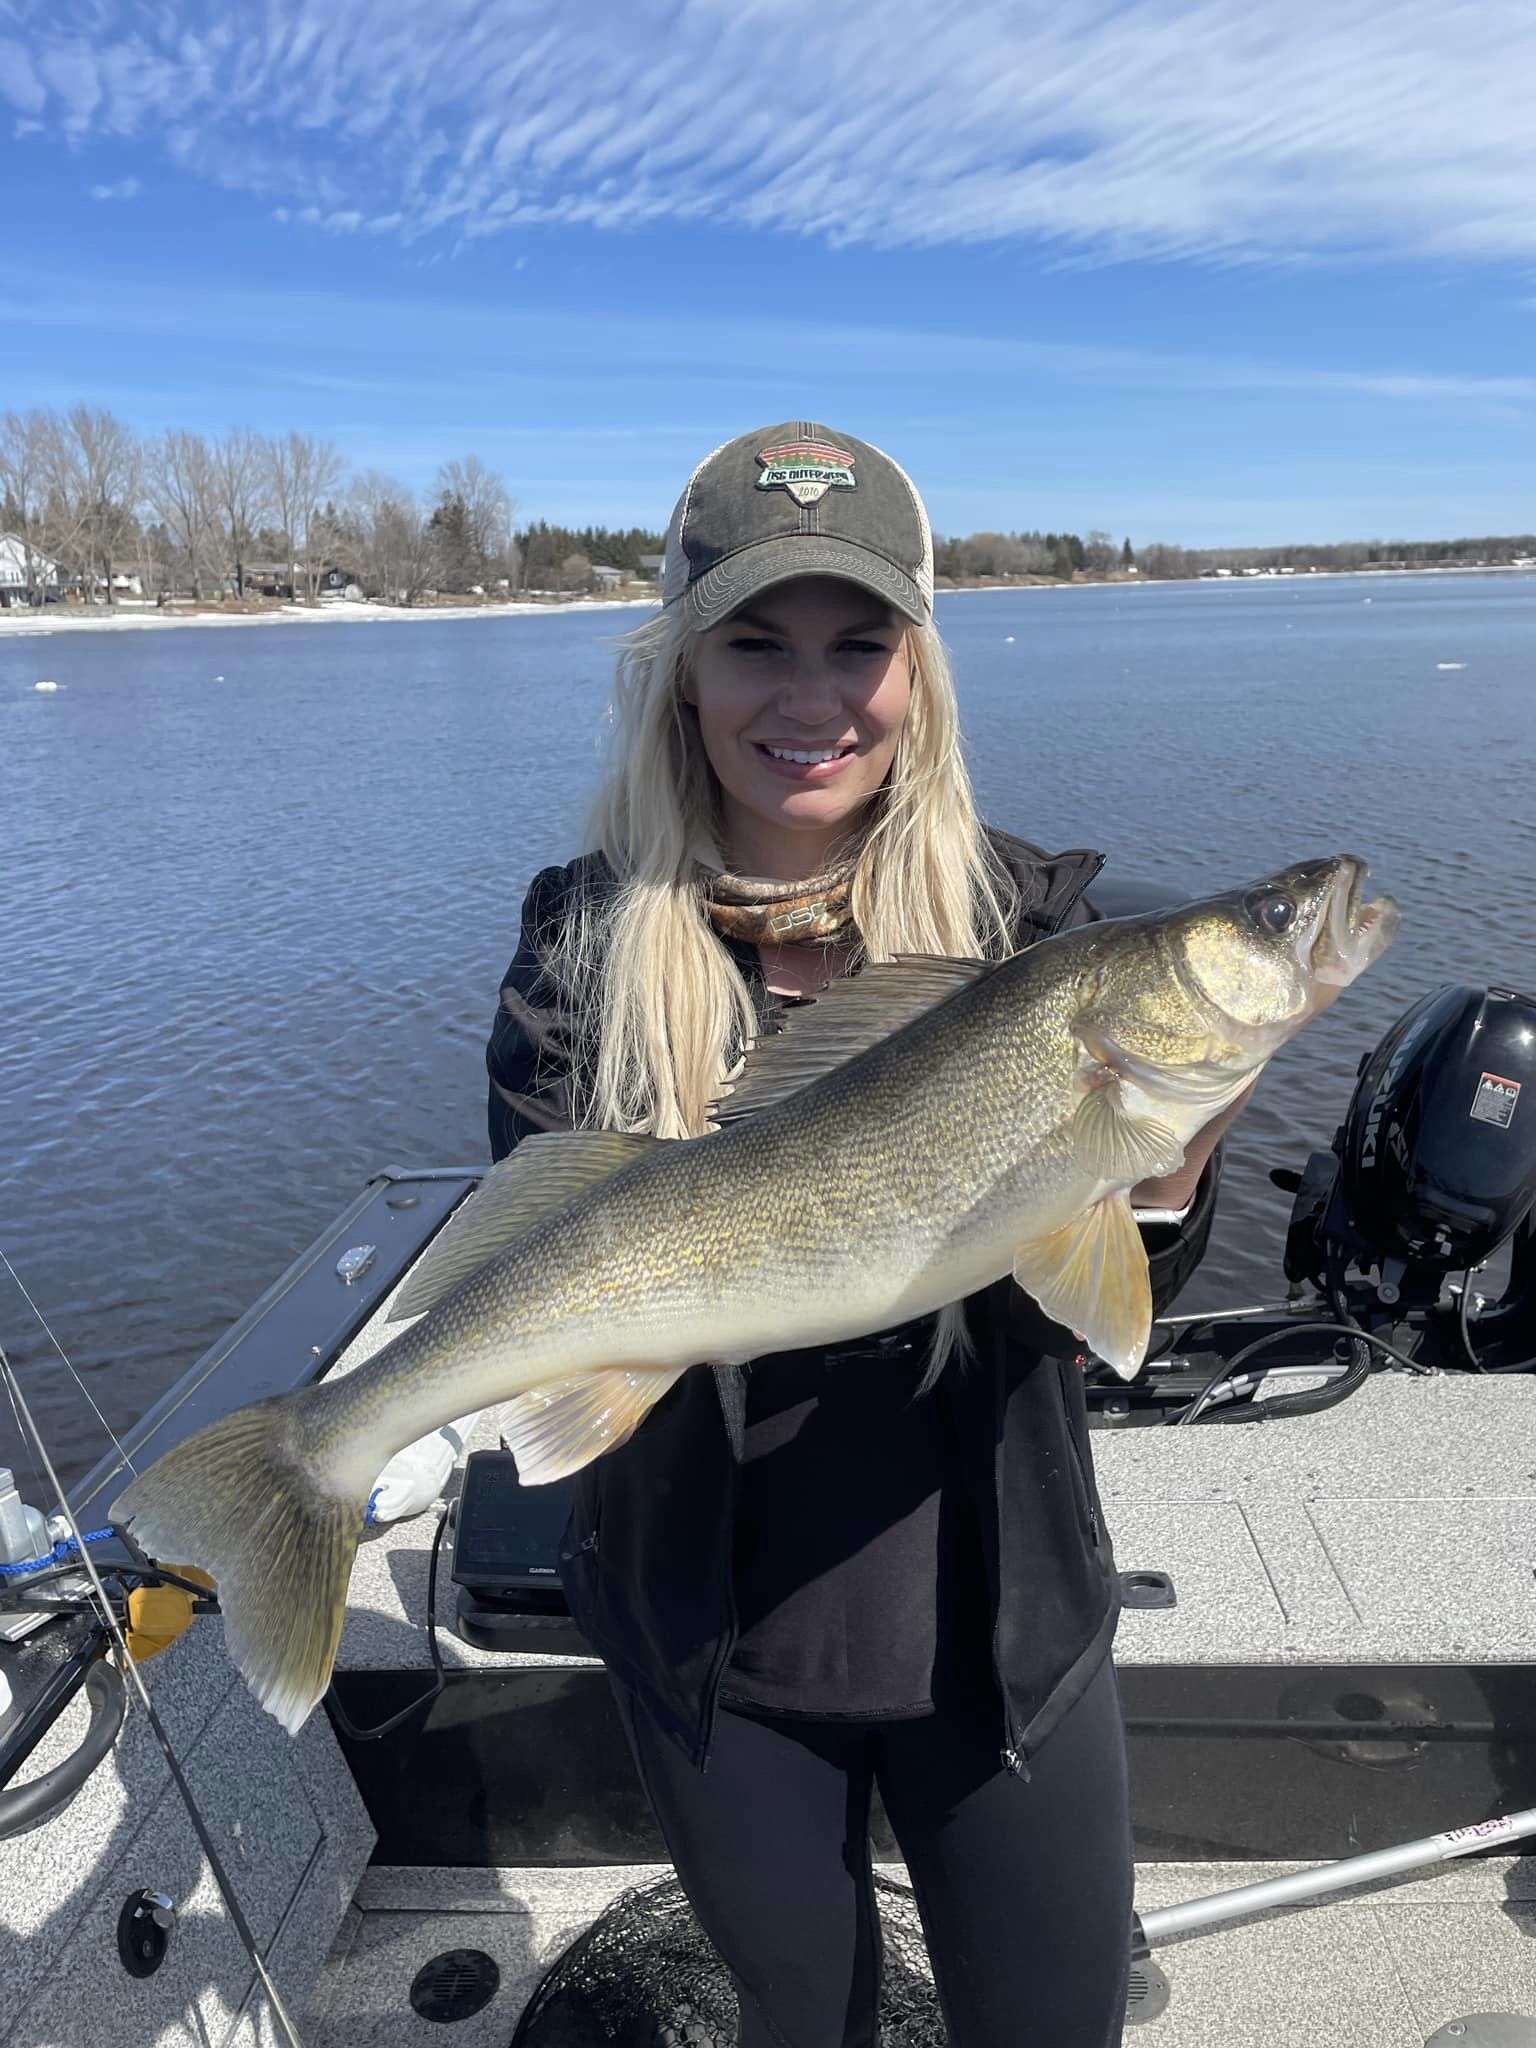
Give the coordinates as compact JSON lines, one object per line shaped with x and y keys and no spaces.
{"x":835,"y":1570}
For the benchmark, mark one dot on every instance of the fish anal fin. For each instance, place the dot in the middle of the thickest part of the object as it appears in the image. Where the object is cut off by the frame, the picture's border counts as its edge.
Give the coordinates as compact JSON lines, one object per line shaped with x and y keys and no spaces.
{"x":1092,"y":1275}
{"x":1119,"y":1146}
{"x":546,"y":1171}
{"x":553,"y":1431}
{"x":853,"y":1013}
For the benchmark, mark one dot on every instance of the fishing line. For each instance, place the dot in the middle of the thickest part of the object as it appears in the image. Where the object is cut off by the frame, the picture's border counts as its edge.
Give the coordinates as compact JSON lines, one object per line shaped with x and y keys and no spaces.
{"x":80,"y":1383}
{"x":131,"y":1672}
{"x":21,"y":1434}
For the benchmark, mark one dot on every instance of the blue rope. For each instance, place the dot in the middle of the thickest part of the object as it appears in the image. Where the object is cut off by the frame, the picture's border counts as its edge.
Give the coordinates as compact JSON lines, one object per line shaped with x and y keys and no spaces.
{"x":61,"y":1553}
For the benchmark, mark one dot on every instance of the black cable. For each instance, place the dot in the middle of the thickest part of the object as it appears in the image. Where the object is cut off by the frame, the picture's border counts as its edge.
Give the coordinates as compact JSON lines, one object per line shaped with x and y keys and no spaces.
{"x":1463,"y":1330}
{"x":1462,"y":1310}
{"x":333,"y":1699}
{"x":1333,"y":1392}
{"x":1479,"y":1364}
{"x":1349,"y":1382}
{"x":1366,"y":1337}
{"x":128,"y":1579}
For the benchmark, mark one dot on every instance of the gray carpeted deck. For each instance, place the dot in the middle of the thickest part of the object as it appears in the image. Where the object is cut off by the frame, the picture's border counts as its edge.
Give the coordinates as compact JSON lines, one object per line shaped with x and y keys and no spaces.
{"x":1398,"y":1528}
{"x":1379,"y":1970}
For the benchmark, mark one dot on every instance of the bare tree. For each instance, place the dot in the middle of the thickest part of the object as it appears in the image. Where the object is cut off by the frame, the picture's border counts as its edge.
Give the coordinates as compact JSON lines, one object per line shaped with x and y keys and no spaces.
{"x":489,"y":509}
{"x":396,"y":541}
{"x":94,"y":462}
{"x":240,"y":481}
{"x":299,"y":472}
{"x":24,"y":439}
{"x":280,"y":482}
{"x":154,"y":560}
{"x":1100,"y":552}
{"x":183,"y":489}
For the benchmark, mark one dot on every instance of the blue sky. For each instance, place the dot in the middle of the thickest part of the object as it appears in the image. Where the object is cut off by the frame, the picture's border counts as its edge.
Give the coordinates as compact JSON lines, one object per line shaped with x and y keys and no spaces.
{"x":1223,"y":272}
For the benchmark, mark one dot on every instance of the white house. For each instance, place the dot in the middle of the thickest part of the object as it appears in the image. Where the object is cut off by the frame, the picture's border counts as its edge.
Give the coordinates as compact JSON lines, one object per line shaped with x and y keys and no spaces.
{"x":13,"y":570}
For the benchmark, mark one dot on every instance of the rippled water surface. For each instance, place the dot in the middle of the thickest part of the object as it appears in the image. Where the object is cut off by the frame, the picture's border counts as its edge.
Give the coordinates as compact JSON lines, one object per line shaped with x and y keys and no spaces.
{"x":259,"y":887}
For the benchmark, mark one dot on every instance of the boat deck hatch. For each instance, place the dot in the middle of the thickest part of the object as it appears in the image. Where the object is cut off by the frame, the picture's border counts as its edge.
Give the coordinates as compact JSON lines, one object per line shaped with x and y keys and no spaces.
{"x":455,"y":1985}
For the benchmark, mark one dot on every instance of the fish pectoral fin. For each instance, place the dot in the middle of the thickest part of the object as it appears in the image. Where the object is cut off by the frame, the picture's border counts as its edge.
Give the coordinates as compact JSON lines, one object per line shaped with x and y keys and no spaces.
{"x":1207,"y":1084}
{"x":553,"y":1431}
{"x":1092,"y":1275}
{"x":545,"y":1172}
{"x":1116,"y":1145}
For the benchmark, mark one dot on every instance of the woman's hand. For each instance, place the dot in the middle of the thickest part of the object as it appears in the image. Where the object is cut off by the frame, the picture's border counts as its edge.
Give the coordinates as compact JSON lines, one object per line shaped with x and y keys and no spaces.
{"x":1177,"y":1190}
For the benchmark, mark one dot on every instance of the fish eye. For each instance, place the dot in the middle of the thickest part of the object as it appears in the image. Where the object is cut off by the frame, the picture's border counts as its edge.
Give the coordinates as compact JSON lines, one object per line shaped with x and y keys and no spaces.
{"x":1272,"y":911}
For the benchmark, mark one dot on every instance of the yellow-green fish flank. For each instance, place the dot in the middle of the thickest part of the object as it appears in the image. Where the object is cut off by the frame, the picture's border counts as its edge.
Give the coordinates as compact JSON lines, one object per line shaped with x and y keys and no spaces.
{"x":918,"y":1132}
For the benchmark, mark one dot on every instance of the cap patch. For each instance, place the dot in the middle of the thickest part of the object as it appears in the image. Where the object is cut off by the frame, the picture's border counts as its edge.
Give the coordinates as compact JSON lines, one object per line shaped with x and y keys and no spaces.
{"x":806,"y":469}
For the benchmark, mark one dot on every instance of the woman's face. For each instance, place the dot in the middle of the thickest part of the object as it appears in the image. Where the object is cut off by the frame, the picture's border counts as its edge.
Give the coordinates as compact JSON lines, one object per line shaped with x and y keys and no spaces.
{"x":817,"y":669}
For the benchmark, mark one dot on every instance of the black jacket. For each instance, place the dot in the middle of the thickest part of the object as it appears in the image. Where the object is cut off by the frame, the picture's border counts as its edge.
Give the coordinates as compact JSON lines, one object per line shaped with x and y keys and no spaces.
{"x":647,"y":1561}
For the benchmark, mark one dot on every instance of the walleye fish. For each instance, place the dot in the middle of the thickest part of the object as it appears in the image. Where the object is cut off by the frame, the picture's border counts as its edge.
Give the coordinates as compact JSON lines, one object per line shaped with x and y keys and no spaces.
{"x":917,"y":1132}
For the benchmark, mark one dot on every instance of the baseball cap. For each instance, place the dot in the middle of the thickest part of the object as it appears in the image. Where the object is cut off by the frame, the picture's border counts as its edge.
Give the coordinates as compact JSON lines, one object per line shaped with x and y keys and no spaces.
{"x":797,"y":499}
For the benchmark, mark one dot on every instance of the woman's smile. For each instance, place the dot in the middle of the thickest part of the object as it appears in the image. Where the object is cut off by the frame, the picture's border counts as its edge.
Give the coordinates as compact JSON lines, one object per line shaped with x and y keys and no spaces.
{"x":800,"y":697}
{"x":798,"y":762}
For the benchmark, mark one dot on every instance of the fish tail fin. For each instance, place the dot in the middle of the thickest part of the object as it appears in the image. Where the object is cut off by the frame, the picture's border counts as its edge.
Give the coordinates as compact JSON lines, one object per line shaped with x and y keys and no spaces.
{"x":251,"y":1501}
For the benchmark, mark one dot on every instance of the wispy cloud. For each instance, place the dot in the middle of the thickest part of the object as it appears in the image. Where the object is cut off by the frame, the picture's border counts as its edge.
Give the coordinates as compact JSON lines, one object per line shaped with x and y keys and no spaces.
{"x":389,"y":346}
{"x":1212,"y":129}
{"x":124,"y":188}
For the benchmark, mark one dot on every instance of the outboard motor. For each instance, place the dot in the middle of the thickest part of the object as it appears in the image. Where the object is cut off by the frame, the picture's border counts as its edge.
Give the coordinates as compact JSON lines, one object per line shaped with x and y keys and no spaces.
{"x":1437,"y":1156}
{"x":1434,"y":1166}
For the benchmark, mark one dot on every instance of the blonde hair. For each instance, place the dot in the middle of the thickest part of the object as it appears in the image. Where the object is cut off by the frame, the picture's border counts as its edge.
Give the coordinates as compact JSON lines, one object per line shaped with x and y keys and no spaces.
{"x":661,"y":1008}
{"x":666,"y":1005}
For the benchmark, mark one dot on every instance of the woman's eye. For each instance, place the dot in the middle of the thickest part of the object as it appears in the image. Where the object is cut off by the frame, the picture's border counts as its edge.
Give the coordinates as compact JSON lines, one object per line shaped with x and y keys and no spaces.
{"x":865,"y":647}
{"x":753,"y":644}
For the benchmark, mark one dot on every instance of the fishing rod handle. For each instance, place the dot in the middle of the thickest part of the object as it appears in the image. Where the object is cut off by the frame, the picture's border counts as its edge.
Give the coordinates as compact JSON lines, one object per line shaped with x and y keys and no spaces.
{"x":1301,"y":1885}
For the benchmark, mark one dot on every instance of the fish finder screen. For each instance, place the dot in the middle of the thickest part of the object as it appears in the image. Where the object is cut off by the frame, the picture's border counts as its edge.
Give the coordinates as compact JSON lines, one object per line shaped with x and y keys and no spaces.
{"x":508,"y":1535}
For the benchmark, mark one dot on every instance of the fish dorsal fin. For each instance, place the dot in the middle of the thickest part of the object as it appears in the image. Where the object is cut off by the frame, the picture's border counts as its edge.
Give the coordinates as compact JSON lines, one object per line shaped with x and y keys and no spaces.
{"x":848,"y":1016}
{"x":1092,"y":1275}
{"x":545,"y":1172}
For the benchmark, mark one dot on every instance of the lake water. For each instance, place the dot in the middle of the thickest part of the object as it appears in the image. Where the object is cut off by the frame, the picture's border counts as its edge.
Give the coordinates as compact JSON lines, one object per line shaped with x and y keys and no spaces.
{"x":260,"y":884}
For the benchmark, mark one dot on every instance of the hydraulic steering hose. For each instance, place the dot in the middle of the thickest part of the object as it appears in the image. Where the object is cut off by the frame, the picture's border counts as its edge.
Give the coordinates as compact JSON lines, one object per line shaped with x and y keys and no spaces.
{"x":1365,"y":1347}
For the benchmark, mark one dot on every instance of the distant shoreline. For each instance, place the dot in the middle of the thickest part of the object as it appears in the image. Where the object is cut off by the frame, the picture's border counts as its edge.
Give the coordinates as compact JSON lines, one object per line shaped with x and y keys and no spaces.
{"x":51,"y":620}
{"x":134,"y":618}
{"x":1377,"y":575}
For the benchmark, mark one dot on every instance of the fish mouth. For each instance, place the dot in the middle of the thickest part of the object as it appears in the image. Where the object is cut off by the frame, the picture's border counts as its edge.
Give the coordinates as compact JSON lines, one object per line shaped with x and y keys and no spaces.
{"x":1351,"y":932}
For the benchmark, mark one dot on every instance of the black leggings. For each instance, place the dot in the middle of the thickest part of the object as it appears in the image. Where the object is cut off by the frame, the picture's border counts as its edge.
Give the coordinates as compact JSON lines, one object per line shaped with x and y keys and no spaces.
{"x":1024,"y":1887}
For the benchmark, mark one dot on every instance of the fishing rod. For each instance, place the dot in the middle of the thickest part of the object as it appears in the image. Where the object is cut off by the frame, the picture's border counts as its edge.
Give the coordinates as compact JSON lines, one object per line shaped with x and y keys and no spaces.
{"x":104,"y":1706}
{"x":1302,"y":1887}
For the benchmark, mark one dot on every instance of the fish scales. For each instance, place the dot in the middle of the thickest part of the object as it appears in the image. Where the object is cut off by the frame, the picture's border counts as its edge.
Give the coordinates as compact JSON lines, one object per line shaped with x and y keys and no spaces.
{"x":1001,"y":1129}
{"x":790,"y":1227}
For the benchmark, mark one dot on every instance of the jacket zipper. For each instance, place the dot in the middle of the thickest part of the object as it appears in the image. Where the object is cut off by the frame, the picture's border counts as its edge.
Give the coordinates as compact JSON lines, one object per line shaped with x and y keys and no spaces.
{"x":1009,"y":1755}
{"x":1090,"y":1512}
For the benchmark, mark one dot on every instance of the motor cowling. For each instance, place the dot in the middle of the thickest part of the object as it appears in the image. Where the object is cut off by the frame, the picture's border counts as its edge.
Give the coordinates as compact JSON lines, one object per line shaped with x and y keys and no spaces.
{"x":1437,"y":1154}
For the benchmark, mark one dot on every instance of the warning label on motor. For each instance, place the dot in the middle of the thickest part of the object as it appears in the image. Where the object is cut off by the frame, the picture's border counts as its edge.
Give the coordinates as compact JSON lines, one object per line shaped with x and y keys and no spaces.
{"x":1494,"y":1102}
